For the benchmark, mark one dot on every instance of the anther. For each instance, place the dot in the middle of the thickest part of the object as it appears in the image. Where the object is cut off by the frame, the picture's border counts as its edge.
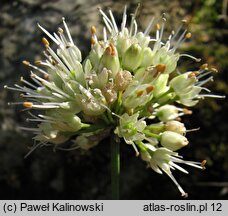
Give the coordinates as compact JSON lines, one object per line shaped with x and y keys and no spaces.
{"x":46,"y":76}
{"x":214,"y":70}
{"x":188,"y":35}
{"x":45,"y":41}
{"x":93,"y":30}
{"x":28,"y":104}
{"x":26,"y":62}
{"x":193,"y":74}
{"x":178,"y":119}
{"x":38,"y":62}
{"x":187,"y":111}
{"x":139,"y":93}
{"x":92,"y":41}
{"x":204,"y":67}
{"x":203,"y":163}
{"x":158,"y":26}
{"x":149,"y":89}
{"x":160,"y":68}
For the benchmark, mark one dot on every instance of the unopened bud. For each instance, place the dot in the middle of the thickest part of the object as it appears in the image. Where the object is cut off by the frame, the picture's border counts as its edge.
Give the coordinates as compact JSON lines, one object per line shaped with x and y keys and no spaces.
{"x":132,"y":58}
{"x":110,"y":60}
{"x":167,"y":113}
{"x":173,"y":141}
{"x":175,"y":126}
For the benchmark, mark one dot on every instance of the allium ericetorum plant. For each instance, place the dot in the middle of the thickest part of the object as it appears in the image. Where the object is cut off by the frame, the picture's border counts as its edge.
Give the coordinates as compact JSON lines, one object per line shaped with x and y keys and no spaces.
{"x":127,"y":87}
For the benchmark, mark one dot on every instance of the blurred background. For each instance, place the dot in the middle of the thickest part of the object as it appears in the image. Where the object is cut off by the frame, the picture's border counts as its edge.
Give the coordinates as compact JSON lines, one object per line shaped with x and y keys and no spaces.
{"x":86,"y":175}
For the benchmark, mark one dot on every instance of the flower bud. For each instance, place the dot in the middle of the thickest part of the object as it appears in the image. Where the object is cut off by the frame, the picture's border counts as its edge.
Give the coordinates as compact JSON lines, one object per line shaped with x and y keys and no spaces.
{"x":132,"y":58}
{"x":143,"y":40}
{"x":147,"y":57}
{"x":110,"y":60}
{"x":167,"y":113}
{"x":122,"y":80}
{"x":181,"y":84}
{"x":123,"y":44}
{"x":160,"y":85}
{"x":173,"y":141}
{"x":162,"y":56}
{"x":175,"y":126}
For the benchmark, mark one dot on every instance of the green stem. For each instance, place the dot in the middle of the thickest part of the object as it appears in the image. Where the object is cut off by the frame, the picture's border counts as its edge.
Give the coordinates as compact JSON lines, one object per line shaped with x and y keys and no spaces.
{"x":115,"y":166}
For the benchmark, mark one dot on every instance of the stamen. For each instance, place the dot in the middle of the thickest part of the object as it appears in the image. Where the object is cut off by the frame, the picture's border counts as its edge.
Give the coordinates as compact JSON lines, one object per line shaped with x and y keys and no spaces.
{"x":185,"y":195}
{"x":204,"y":67}
{"x":27,"y":63}
{"x":48,"y":34}
{"x":67,"y":30}
{"x":203,"y":164}
{"x":93,"y":30}
{"x":160,"y":68}
{"x":113,"y":21}
{"x":201,"y":83}
{"x":187,"y":111}
{"x":28,"y":104}
{"x":139,"y":93}
{"x":45,"y":41}
{"x":124,"y":19}
{"x":149,"y":89}
{"x":192,"y":57}
{"x":149,"y":27}
{"x":188,"y":35}
{"x":28,"y":83}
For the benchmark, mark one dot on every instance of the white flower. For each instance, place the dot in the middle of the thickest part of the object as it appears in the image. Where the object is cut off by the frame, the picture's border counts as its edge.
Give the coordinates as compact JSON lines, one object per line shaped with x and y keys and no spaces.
{"x":164,"y":160}
{"x":124,"y":80}
{"x":173,"y":141}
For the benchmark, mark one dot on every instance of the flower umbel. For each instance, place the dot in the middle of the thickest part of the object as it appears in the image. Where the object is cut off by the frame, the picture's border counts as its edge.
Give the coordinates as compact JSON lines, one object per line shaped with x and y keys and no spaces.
{"x":128,"y":84}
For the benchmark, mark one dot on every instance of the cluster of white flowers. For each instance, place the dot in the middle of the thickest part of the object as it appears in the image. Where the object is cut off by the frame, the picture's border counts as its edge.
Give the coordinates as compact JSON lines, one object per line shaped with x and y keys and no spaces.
{"x":127,"y":85}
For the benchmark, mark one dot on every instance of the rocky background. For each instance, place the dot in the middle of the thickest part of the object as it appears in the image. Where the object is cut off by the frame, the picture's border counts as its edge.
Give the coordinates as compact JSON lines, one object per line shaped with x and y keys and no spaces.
{"x":86,"y":175}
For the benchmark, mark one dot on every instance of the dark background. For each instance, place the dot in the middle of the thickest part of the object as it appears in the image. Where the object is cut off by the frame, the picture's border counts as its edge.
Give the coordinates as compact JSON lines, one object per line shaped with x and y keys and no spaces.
{"x":86,"y":175}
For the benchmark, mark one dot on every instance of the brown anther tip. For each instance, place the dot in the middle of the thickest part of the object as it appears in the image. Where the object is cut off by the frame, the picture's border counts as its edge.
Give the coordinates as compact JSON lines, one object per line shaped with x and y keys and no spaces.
{"x":93,"y":30}
{"x":158,"y":26}
{"x":111,"y":50}
{"x":92,"y":41}
{"x":178,"y":119}
{"x":187,"y":111}
{"x":45,"y":41}
{"x":28,"y":104}
{"x":46,"y":76}
{"x":204,"y":67}
{"x":214,"y":70}
{"x":26,"y":62}
{"x":203,"y":163}
{"x":193,"y":74}
{"x":38,"y":62}
{"x":149,"y":89}
{"x":150,"y":109}
{"x":32,"y":75}
{"x":188,"y":35}
{"x":139,"y":93}
{"x":160,"y":68}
